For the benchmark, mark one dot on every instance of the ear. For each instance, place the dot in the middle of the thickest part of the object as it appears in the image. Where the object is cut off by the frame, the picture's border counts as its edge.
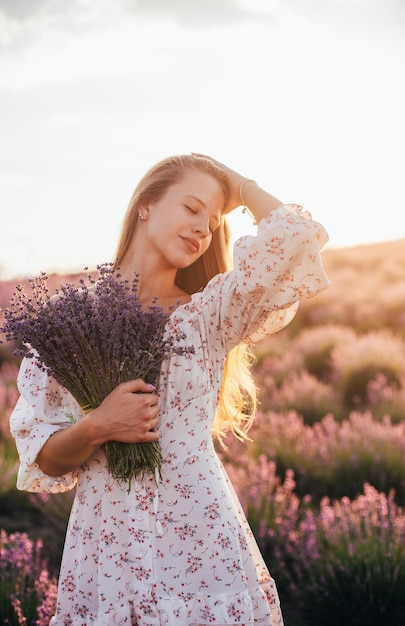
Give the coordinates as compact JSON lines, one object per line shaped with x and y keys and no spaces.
{"x":143,"y":212}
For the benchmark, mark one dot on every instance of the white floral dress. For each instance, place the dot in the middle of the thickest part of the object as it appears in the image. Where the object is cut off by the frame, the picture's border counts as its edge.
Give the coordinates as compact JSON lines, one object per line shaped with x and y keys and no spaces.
{"x":180,"y":552}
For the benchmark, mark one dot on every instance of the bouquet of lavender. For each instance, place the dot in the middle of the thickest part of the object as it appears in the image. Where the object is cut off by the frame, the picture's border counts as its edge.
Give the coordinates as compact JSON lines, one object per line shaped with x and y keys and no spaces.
{"x":90,"y":337}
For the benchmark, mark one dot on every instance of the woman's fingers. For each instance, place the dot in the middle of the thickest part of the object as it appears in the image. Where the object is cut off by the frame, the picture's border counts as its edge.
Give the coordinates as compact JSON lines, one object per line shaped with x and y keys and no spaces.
{"x":129,"y":413}
{"x":137,"y":385}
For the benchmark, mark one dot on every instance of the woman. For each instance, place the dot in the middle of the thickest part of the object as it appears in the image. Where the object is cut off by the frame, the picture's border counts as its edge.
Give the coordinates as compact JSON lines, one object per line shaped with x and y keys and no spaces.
{"x":179,"y":551}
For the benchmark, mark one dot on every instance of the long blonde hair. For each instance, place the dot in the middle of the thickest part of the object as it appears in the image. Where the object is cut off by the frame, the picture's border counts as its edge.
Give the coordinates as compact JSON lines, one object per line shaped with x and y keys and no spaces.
{"x":237,"y":400}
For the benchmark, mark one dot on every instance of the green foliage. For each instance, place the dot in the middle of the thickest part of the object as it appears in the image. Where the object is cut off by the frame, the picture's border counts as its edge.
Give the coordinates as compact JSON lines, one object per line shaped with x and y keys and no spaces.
{"x":330,"y":458}
{"x":364,"y":586}
{"x":39,"y":516}
{"x":339,"y":563}
{"x":313,"y":348}
{"x":367,"y":291}
{"x":8,"y":465}
{"x":317,"y":373}
{"x":308,"y":396}
{"x":358,"y":364}
{"x":357,"y":571}
{"x":27,"y":593}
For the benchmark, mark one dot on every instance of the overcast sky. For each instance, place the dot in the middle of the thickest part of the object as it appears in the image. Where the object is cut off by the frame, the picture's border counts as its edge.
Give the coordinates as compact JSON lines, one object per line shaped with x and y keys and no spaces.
{"x":305,"y":96}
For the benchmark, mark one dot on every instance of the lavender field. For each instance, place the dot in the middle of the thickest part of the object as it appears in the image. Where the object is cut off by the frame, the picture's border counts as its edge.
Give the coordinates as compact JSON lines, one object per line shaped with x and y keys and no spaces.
{"x":322,"y":481}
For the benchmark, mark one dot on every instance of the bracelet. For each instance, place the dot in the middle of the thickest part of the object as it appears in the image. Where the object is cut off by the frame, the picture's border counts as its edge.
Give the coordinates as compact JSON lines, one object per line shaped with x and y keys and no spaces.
{"x":245,"y":208}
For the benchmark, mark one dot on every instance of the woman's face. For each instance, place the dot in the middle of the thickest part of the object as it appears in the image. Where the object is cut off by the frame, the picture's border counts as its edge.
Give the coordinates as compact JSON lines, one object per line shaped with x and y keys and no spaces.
{"x":179,"y":226}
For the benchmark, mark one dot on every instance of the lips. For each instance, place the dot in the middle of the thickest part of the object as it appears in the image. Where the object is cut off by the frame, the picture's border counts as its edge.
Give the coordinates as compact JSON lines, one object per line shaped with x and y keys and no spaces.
{"x":192,"y":244}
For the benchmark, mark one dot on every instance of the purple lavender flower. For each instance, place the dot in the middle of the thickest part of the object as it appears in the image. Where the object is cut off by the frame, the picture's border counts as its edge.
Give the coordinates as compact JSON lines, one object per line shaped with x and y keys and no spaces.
{"x":25,"y":581}
{"x":91,"y":337}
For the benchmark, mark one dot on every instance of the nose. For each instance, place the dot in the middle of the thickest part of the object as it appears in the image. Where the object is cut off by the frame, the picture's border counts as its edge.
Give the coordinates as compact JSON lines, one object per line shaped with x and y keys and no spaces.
{"x":202,"y":226}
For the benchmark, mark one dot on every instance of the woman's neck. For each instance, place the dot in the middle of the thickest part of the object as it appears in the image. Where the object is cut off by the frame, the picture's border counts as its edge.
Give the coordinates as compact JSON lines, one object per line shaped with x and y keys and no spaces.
{"x":155,"y":287}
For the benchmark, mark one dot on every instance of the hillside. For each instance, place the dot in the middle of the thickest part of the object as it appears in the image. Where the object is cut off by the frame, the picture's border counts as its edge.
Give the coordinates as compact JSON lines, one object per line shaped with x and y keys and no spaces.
{"x":386,"y":259}
{"x":367,"y":290}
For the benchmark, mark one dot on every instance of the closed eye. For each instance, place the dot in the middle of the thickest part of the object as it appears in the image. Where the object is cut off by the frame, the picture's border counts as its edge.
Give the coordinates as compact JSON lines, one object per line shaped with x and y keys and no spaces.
{"x":195,"y":212}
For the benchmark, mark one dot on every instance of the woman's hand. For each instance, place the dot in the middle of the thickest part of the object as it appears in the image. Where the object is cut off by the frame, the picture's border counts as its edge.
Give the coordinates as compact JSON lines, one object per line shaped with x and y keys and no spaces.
{"x":259,"y":201}
{"x":234,"y":182}
{"x":128,"y":414}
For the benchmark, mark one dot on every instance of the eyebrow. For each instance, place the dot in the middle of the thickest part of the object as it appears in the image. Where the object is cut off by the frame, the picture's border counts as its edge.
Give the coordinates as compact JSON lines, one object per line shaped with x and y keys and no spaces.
{"x":189,"y":195}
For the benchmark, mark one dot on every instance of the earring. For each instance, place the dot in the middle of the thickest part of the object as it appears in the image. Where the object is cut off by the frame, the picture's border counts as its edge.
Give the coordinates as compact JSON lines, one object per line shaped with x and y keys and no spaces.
{"x":141,"y":217}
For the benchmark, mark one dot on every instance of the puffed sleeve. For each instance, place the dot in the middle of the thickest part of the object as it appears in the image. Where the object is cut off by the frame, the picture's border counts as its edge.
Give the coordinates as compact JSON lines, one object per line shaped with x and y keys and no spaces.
{"x":272,"y":272}
{"x":42,"y":409}
{"x":282,"y":264}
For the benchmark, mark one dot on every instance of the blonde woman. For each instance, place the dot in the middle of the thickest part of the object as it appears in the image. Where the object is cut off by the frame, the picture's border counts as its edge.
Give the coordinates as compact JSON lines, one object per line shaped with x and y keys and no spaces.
{"x":179,"y":551}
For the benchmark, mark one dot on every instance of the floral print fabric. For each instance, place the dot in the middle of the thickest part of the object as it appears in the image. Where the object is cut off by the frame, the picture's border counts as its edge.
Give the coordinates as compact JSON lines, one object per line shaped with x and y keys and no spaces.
{"x":176,"y":551}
